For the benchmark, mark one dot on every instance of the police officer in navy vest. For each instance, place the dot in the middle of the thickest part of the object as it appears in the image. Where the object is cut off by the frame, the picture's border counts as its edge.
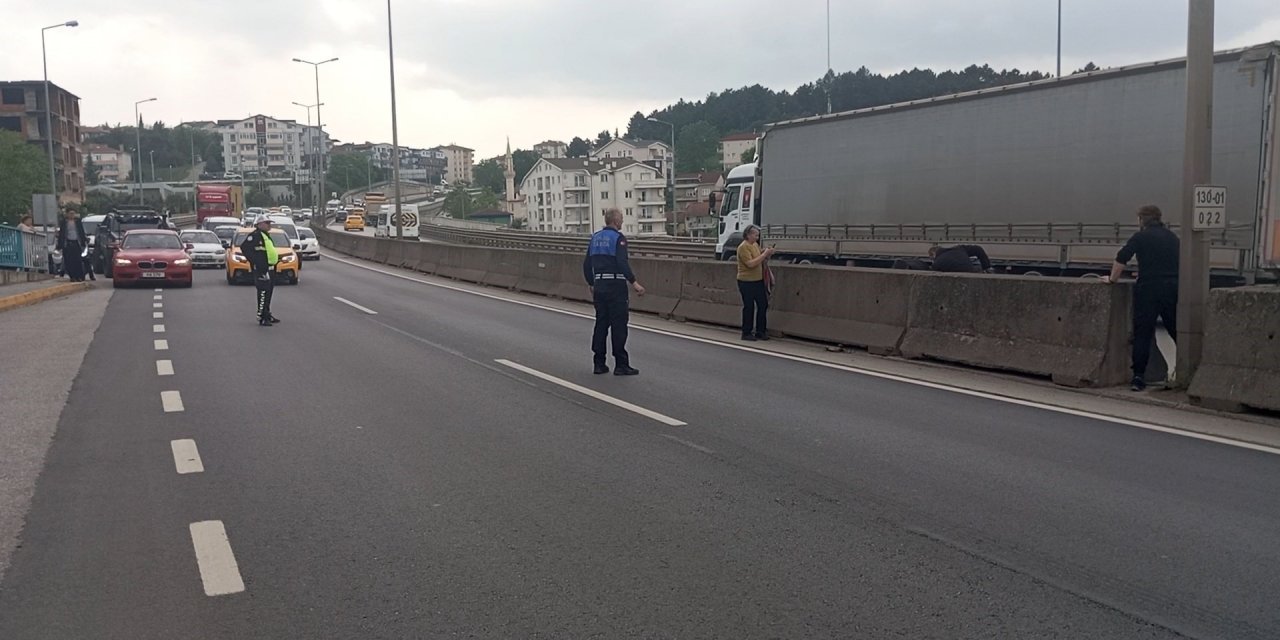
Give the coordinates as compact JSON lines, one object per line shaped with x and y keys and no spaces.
{"x":608,"y":274}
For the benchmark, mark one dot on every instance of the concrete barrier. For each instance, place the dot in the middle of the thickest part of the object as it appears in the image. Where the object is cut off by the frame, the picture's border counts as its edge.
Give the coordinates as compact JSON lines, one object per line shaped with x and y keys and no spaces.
{"x":1076,"y":332}
{"x":461,"y":262}
{"x":1241,"y":363}
{"x":553,"y":274}
{"x":663,"y":280}
{"x":709,"y":293}
{"x":866,"y":308}
{"x":381,"y":250}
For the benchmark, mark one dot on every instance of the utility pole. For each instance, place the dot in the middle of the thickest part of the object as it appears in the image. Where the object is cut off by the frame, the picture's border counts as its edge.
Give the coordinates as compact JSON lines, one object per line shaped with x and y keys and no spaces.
{"x":48,"y":109}
{"x":829,"y":75}
{"x":1059,"y":39}
{"x":311,"y":143}
{"x":137,"y":127}
{"x":395,"y":135}
{"x":1197,"y":169}
{"x":320,"y":178}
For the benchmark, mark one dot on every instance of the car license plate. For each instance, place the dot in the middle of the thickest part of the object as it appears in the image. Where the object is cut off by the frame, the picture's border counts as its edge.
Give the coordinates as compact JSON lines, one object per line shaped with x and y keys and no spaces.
{"x":153,"y":274}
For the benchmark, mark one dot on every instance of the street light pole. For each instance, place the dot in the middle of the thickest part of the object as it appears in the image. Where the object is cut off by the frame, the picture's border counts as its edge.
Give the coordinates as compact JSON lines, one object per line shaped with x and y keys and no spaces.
{"x":152,"y":154}
{"x":137,"y":128}
{"x":395,"y":136}
{"x":671,"y":180}
{"x":311,"y":182}
{"x":320,"y":178}
{"x":1197,"y":164}
{"x":48,"y":108}
{"x":1059,"y":39}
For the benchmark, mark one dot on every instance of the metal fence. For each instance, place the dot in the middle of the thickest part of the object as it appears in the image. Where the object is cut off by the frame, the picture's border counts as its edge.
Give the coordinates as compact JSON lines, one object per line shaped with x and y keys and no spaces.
{"x":470,"y":232}
{"x":22,"y":250}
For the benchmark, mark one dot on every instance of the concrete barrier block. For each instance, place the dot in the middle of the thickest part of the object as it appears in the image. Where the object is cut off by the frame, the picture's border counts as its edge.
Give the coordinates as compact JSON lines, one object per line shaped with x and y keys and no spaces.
{"x":503,"y":268}
{"x":381,"y":250}
{"x":709,"y":293}
{"x":462,"y":263}
{"x":663,"y":281}
{"x":1076,"y":332}
{"x":861,"y":307}
{"x":1240,"y":366}
{"x":428,"y":257}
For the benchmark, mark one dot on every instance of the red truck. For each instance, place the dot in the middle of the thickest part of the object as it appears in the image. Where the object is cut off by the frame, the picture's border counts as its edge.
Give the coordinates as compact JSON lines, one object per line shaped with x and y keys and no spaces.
{"x":218,"y":200}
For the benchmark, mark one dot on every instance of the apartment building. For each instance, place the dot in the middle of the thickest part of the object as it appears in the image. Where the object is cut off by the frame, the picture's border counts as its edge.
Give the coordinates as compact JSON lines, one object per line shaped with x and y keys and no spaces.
{"x":733,"y":146}
{"x":113,"y":164}
{"x":461,"y":163}
{"x":571,"y":194}
{"x":262,"y":144}
{"x":23,"y":111}
{"x":655,"y":152}
{"x":551,"y":149}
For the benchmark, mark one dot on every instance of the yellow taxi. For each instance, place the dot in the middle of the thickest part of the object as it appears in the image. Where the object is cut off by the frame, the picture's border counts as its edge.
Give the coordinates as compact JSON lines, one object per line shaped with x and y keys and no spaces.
{"x":354,"y":221}
{"x":287,"y":269}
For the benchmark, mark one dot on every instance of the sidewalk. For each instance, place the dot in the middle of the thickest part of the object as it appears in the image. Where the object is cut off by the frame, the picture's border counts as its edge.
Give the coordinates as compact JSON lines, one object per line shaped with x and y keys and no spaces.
{"x":21,"y":294}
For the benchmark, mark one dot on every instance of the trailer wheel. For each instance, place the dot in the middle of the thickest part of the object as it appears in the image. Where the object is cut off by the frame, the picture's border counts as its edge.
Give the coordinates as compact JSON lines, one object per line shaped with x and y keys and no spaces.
{"x":1033,"y":273}
{"x":804,"y":261}
{"x":1091,"y":276}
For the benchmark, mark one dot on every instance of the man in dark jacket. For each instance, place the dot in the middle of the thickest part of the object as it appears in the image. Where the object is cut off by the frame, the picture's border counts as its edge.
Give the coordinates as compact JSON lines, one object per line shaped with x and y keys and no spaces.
{"x":71,"y":242}
{"x":608,"y":273}
{"x":1156,"y":293}
{"x":957,"y":259}
{"x":262,"y":255}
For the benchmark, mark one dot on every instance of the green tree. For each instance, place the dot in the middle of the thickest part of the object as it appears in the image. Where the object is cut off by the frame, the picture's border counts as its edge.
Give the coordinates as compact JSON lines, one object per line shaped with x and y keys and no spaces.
{"x":461,"y":203}
{"x":579,"y":148}
{"x":491,"y":174}
{"x":24,"y":170}
{"x":92,"y":174}
{"x":603,"y":138}
{"x":522,"y":161}
{"x":748,"y":156}
{"x":697,"y":147}
{"x":349,"y":171}
{"x":259,"y":197}
{"x":484,"y":199}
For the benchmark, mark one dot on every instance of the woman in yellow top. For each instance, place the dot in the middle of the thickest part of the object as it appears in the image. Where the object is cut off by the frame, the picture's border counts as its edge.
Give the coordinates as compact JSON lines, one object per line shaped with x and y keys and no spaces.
{"x":755,"y":297}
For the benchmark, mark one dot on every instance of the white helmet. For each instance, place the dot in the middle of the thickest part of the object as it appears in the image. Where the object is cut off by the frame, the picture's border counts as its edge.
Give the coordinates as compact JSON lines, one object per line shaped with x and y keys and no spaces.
{"x":262,"y":217}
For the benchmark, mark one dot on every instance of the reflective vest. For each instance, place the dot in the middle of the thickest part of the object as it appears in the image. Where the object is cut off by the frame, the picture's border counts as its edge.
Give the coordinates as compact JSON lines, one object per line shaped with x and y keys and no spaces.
{"x":273,"y":254}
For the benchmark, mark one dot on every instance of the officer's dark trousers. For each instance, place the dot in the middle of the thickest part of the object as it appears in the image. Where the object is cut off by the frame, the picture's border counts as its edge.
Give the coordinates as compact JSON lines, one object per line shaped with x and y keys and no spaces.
{"x":755,"y":307}
{"x":1152,"y":300}
{"x":611,"y":318}
{"x":266,"y":286}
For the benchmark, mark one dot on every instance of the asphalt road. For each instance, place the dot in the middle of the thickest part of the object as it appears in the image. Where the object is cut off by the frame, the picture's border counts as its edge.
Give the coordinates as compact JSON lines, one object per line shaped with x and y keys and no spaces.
{"x":424,"y":471}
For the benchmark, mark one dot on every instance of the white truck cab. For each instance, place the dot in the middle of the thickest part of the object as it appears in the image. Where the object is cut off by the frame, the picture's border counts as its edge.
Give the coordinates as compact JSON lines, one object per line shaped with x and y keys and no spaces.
{"x":738,"y":208}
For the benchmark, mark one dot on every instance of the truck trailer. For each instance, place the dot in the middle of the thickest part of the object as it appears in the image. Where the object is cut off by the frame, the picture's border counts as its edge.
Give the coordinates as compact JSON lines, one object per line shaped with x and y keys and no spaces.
{"x":1045,"y":175}
{"x":218,"y":200}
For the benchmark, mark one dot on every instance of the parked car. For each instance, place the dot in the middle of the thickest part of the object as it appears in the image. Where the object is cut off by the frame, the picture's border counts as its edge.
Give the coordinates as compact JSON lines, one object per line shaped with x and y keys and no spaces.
{"x":308,"y":246}
{"x":112,"y":228}
{"x":287,"y":269}
{"x":205,"y":248}
{"x":153,"y":256}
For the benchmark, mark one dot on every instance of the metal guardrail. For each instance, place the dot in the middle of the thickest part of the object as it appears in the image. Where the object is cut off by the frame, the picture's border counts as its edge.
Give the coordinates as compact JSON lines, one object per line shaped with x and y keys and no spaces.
{"x":22,"y":250}
{"x":514,"y":239}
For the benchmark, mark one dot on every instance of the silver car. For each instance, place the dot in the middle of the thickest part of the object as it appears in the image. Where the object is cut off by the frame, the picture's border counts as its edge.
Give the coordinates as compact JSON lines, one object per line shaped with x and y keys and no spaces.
{"x":205,"y":249}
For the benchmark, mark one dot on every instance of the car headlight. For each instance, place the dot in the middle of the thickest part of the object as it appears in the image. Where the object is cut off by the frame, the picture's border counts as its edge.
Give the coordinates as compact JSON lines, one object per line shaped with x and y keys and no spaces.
{"x":182,"y":261}
{"x":221,"y":252}
{"x":287,"y":259}
{"x":122,"y":262}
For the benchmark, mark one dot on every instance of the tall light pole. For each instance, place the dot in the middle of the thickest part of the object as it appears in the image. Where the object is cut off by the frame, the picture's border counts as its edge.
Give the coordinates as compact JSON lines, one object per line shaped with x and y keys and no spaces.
{"x":319,"y":124}
{"x":1197,"y":165}
{"x":829,"y":75}
{"x":671,"y":179}
{"x":312,"y":181}
{"x":1059,"y":39}
{"x":48,"y":107}
{"x":152,"y":153}
{"x":395,"y":137}
{"x":137,"y":124}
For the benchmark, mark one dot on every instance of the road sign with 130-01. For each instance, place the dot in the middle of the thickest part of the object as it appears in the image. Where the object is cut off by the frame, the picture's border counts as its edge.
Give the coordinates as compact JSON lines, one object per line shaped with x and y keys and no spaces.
{"x":1210,"y":203}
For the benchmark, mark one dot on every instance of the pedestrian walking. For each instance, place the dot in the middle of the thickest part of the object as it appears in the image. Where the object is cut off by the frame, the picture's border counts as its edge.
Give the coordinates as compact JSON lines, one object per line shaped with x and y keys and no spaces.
{"x":260,"y":250}
{"x":957,"y":259}
{"x":752,"y":268}
{"x":608,"y":274}
{"x":71,"y":242}
{"x":1155,"y":296}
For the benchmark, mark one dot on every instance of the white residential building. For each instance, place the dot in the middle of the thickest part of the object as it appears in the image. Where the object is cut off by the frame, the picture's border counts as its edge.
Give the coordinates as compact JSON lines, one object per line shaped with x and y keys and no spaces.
{"x":461,"y":163}
{"x":112,"y":164}
{"x":653,"y":151}
{"x":264,"y":144}
{"x":551,"y":149}
{"x":733,"y":146}
{"x":571,"y":194}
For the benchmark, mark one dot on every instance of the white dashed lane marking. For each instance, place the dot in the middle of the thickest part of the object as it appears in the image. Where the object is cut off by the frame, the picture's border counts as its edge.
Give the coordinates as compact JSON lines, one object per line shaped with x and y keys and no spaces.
{"x":157,"y":305}
{"x":356,"y":306}
{"x":157,"y":315}
{"x":652,"y":415}
{"x":218,"y":569}
{"x":164,"y":367}
{"x":172,"y":401}
{"x":162,"y":345}
{"x":157,"y":328}
{"x":157,"y":297}
{"x":186,"y":458}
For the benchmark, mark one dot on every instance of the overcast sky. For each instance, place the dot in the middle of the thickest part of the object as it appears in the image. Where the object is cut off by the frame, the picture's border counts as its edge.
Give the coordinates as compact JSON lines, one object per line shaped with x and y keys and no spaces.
{"x":472,"y":72}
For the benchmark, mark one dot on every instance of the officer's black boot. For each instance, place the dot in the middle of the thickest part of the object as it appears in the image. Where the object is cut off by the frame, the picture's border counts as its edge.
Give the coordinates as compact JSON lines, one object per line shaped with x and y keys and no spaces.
{"x":625,"y":370}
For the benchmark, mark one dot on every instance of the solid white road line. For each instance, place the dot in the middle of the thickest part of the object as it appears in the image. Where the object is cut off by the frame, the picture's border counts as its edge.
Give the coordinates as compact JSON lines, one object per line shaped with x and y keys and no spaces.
{"x":356,"y":306}
{"x":186,"y":458}
{"x":172,"y":401}
{"x":157,"y":328}
{"x":157,"y":305}
{"x":218,"y":569}
{"x":162,"y":345}
{"x":652,"y":415}
{"x":164,"y":367}
{"x":157,"y":315}
{"x":847,"y":368}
